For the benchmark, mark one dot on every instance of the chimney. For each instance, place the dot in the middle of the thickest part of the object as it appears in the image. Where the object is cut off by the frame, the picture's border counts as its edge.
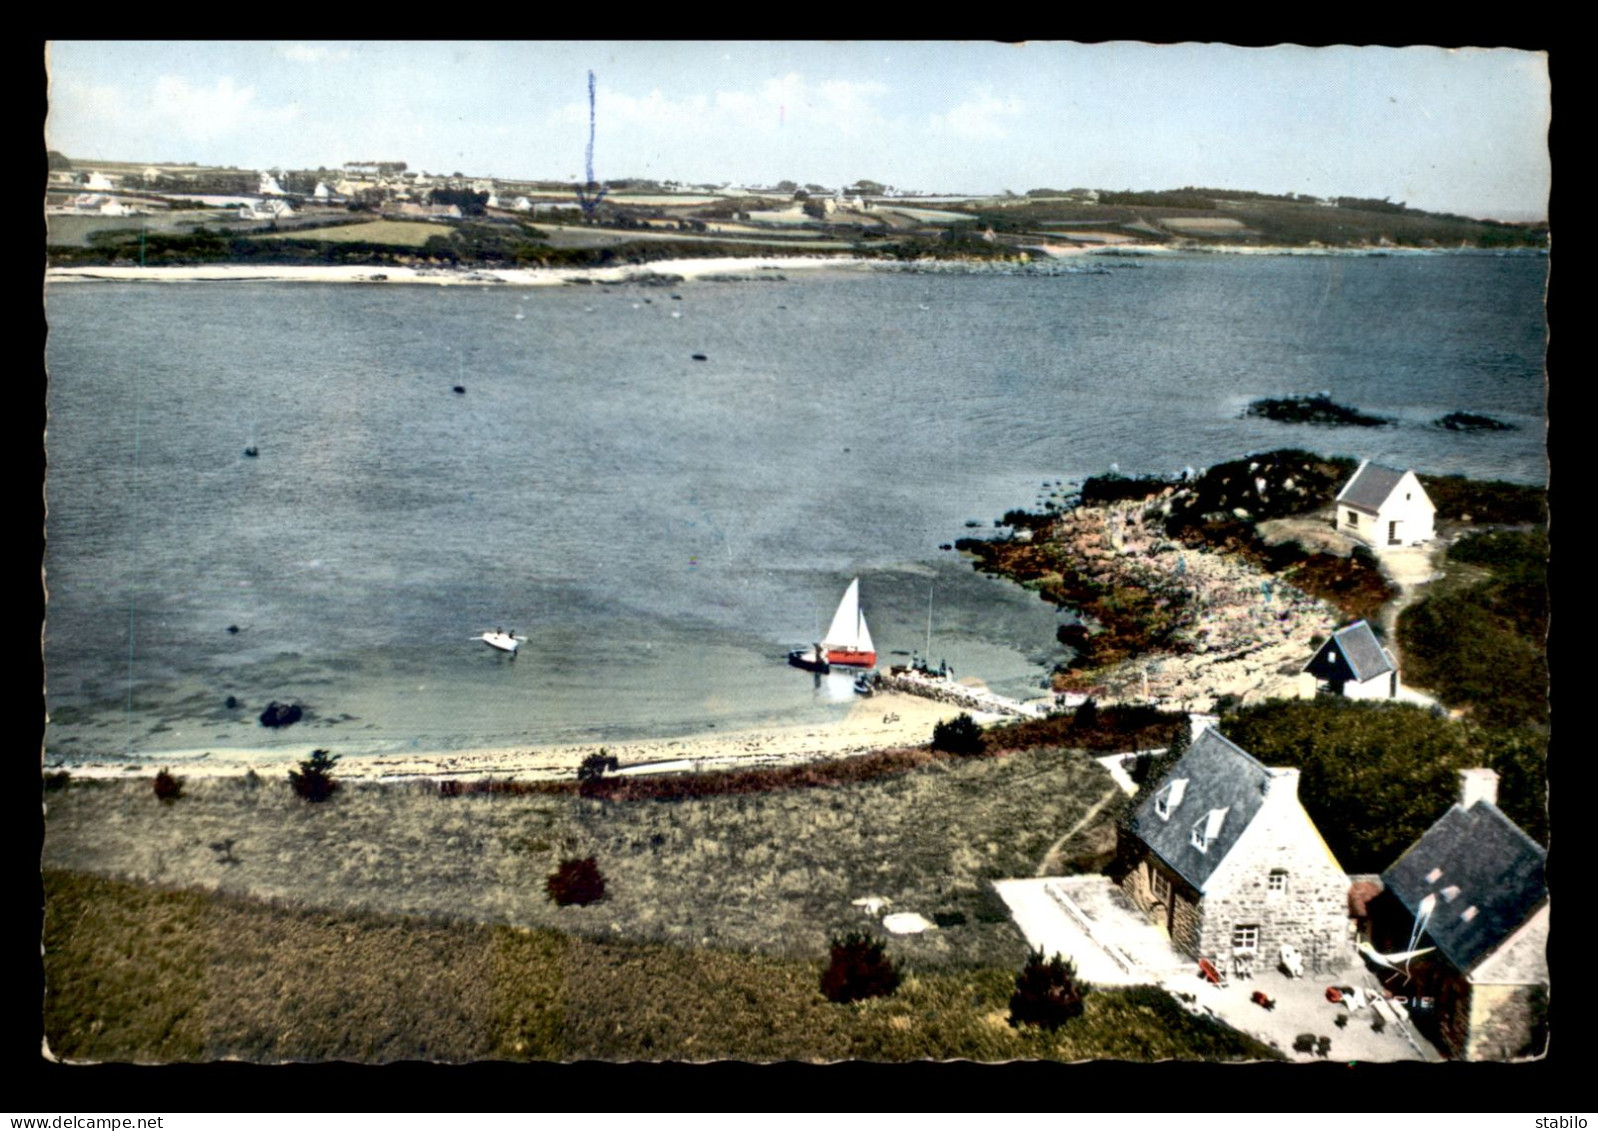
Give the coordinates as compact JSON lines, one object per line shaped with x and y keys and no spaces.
{"x":1283,"y":781}
{"x":1477,"y":785}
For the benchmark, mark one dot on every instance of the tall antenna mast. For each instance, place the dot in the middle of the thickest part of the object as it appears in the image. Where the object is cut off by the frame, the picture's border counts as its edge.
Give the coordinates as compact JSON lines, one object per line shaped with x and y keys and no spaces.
{"x":590,"y":127}
{"x":590,"y":193}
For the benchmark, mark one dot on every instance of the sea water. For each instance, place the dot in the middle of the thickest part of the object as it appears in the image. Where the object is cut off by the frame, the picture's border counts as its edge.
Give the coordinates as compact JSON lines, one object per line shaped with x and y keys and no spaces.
{"x":662,"y":529}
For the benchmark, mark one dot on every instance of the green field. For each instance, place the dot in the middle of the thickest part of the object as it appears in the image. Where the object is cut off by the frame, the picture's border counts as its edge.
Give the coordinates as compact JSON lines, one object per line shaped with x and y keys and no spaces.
{"x":393,"y":922}
{"x":772,"y":872}
{"x":394,"y":233}
{"x":139,"y":973}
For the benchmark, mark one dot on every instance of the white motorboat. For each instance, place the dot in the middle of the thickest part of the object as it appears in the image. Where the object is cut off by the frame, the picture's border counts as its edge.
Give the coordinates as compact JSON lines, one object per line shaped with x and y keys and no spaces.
{"x":504,"y":641}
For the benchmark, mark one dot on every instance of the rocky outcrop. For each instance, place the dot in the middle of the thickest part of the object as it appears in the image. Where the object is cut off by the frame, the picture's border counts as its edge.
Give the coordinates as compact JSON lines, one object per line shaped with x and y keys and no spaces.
{"x":281,"y":714}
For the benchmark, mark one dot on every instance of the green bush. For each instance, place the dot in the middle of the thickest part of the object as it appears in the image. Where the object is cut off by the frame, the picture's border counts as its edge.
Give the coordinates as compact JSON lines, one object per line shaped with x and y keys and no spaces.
{"x":1374,"y":775}
{"x":314,"y":779}
{"x":596,"y":766}
{"x":859,"y":968}
{"x":959,"y":735}
{"x":1047,"y":992}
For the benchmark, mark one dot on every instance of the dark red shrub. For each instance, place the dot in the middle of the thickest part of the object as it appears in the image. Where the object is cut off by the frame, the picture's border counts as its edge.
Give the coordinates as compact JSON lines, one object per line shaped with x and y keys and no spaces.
{"x":576,"y":881}
{"x":858,"y":969}
{"x":1047,"y":992}
{"x":167,"y":787}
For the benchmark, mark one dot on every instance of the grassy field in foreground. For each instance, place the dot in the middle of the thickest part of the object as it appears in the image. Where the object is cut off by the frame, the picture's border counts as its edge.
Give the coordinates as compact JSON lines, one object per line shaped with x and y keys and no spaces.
{"x":773,"y":873}
{"x":135,"y":973}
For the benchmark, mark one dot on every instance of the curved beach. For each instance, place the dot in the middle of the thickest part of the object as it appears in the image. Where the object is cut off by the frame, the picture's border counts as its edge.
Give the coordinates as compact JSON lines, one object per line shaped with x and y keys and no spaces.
{"x":874,"y":723}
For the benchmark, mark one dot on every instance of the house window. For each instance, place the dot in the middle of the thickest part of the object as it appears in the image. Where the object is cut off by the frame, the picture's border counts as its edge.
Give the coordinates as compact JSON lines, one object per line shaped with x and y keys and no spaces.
{"x":1353,"y":518}
{"x":1246,"y":937}
{"x":1276,"y":882}
{"x":1207,"y":828}
{"x":1169,"y":798}
{"x":1162,"y":888}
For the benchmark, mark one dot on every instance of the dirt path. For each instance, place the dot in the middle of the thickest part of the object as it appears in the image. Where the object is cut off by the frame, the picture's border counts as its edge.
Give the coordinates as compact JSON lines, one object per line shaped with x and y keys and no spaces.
{"x":1409,"y":568}
{"x":1049,"y":860}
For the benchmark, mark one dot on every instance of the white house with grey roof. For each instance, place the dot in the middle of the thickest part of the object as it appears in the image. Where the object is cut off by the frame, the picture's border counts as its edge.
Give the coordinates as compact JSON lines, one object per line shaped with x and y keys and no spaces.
{"x":1353,"y":663}
{"x":1472,"y":895}
{"x":1384,"y":507}
{"x":1221,"y":854}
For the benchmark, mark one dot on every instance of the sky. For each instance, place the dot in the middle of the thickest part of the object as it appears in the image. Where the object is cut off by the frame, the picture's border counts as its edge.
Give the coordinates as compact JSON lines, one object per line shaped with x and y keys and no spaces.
{"x":1447,"y":130}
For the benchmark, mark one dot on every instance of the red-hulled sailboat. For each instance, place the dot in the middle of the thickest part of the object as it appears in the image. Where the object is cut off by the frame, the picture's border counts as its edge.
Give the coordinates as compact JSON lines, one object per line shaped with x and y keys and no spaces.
{"x":848,"y":640}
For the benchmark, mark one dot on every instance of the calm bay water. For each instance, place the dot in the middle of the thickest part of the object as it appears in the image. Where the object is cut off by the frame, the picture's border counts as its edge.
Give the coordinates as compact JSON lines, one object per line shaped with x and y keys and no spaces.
{"x":661,"y":528}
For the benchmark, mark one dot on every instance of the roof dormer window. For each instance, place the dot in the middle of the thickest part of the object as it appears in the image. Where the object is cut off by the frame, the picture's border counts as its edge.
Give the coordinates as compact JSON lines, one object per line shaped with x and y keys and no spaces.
{"x":1434,"y":875}
{"x":1451,"y":892}
{"x":1207,"y":828}
{"x":1166,"y":801}
{"x":1468,"y":914}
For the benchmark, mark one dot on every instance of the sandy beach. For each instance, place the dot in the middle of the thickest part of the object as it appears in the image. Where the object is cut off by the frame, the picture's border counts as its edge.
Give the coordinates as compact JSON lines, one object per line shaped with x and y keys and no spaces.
{"x":441,"y":277}
{"x":685,"y":269}
{"x":874,"y":723}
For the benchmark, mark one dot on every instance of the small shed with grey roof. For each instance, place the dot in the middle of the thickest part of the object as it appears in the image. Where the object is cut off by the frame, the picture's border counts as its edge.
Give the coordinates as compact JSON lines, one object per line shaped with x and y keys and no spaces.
{"x":1354,"y":664}
{"x":1385,"y":507}
{"x":1473,"y":889}
{"x":1221,"y":854}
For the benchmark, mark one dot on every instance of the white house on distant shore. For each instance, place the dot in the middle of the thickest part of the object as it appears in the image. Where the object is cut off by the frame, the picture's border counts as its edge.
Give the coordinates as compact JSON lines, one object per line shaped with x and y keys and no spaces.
{"x":1382,"y":506}
{"x":100,"y":205}
{"x":265,"y":210}
{"x":1353,"y":664}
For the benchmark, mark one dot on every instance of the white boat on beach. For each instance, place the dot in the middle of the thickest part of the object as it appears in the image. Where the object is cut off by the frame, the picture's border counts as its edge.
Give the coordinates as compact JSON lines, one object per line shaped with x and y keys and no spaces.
{"x":848,"y":640}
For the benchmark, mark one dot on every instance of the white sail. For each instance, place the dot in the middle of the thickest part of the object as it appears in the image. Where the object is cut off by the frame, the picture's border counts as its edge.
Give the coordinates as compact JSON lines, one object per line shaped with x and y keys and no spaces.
{"x":848,"y":630}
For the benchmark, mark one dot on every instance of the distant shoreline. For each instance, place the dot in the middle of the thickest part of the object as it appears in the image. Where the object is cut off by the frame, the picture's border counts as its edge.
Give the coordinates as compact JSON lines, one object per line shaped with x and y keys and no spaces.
{"x":685,"y":269}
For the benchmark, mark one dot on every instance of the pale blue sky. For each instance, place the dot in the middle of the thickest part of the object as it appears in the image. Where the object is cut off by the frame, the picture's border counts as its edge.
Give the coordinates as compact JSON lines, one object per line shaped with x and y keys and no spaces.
{"x":1446,"y":130}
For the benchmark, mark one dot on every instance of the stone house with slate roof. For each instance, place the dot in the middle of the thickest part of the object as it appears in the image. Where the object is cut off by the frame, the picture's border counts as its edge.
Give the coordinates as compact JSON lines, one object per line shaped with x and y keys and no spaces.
{"x":1221,"y":854}
{"x":1354,"y":664}
{"x":1472,"y":887}
{"x":1382,"y":506}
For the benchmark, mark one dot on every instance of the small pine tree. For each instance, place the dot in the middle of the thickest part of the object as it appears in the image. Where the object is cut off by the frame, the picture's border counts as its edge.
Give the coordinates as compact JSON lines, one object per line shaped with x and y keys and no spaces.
{"x":167,"y":787}
{"x":1085,"y":717}
{"x":596,"y":766}
{"x":858,"y":969}
{"x":1047,"y":992}
{"x":314,"y":779}
{"x":959,"y":735}
{"x":576,"y":882}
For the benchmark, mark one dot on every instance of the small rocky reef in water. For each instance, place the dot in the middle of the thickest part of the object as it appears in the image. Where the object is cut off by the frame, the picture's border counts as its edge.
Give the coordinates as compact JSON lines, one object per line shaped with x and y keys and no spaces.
{"x":1471,"y":422}
{"x":1315,"y":408}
